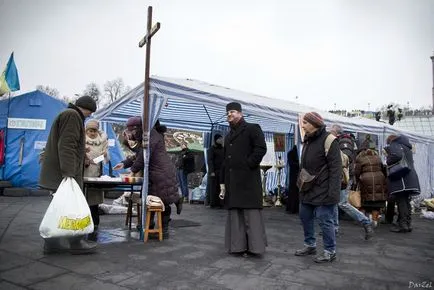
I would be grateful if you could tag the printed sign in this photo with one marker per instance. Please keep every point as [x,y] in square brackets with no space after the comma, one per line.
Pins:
[39,145]
[31,124]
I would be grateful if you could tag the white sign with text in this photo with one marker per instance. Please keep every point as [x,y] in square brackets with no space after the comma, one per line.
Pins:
[32,124]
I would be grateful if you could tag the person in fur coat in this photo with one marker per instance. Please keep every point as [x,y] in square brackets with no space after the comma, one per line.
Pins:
[96,145]
[372,181]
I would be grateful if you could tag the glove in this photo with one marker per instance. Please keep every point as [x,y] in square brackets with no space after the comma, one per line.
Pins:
[222,191]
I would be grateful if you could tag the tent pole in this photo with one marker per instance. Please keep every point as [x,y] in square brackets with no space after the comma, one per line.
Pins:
[5,140]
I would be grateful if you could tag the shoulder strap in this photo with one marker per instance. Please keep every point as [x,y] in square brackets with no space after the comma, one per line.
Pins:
[328,142]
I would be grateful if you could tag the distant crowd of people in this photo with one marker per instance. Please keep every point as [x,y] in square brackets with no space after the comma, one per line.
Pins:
[321,178]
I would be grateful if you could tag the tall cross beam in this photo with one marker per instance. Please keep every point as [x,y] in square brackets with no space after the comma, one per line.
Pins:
[146,40]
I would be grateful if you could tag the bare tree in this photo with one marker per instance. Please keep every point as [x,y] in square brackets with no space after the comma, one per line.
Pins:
[115,89]
[49,90]
[67,99]
[92,90]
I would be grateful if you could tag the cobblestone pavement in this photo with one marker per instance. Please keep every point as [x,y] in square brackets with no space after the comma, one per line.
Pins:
[194,256]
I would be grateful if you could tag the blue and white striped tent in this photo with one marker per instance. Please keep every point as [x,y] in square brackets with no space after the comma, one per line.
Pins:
[195,105]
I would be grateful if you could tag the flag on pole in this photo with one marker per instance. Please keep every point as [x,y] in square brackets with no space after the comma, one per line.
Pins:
[9,81]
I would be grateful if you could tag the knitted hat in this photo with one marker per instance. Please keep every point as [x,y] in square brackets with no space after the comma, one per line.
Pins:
[233,106]
[86,102]
[134,122]
[314,118]
[217,136]
[92,124]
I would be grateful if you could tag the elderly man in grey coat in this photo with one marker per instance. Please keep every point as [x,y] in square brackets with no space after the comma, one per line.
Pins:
[241,185]
[64,157]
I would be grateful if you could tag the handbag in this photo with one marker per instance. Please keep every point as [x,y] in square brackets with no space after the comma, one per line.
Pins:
[354,197]
[398,169]
[305,180]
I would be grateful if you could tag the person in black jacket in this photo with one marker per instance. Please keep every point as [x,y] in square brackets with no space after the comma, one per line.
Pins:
[241,186]
[404,186]
[184,166]
[293,203]
[215,160]
[158,167]
[319,202]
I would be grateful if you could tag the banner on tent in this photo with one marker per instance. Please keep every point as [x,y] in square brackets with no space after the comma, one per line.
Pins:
[21,123]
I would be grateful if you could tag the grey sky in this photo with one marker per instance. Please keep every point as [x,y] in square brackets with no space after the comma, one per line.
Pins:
[348,52]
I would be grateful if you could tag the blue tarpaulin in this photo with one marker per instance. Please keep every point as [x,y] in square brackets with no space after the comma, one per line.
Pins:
[31,116]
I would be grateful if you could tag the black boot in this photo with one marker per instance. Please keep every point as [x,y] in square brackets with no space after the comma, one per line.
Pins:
[165,223]
[401,227]
[409,226]
[79,246]
[369,232]
[94,235]
[179,205]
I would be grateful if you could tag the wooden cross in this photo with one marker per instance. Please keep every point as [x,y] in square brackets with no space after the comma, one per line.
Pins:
[146,133]
[147,40]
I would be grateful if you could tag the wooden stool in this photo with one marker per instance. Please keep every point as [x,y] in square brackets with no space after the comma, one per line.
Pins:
[159,230]
[129,217]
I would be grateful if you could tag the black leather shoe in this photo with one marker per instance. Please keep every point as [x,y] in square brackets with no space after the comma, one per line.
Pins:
[306,251]
[325,257]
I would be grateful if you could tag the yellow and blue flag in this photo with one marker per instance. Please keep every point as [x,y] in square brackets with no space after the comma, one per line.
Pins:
[9,81]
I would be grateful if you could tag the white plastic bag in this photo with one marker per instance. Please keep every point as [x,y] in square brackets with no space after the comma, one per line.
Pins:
[68,213]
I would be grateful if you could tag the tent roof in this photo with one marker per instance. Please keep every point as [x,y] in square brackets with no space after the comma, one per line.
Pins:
[197,105]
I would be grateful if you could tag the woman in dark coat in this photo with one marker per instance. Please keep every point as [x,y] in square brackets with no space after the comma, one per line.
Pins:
[293,203]
[162,175]
[369,176]
[402,187]
[215,160]
[161,171]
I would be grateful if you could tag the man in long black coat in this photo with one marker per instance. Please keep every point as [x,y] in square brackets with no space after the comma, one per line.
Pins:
[241,185]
